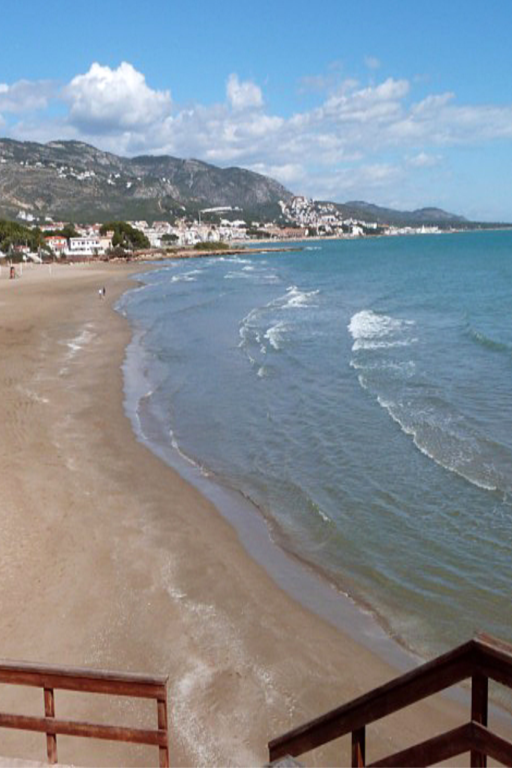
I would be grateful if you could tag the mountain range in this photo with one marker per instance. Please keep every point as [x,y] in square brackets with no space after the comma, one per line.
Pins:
[74,181]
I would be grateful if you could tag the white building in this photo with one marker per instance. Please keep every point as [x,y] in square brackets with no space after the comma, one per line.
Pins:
[85,246]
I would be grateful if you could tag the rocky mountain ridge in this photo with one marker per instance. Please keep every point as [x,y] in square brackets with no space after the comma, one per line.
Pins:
[71,180]
[74,181]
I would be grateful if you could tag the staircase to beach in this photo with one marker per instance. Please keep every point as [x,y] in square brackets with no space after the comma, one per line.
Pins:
[477,661]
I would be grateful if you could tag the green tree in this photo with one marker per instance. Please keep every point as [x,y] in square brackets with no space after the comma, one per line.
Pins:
[13,234]
[125,235]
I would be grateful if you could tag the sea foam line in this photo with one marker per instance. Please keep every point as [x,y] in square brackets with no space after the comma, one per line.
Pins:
[412,432]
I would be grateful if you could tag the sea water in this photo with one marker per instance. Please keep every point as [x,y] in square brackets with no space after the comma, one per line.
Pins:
[360,394]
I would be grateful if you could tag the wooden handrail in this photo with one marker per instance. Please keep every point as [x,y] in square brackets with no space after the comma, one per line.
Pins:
[479,659]
[51,678]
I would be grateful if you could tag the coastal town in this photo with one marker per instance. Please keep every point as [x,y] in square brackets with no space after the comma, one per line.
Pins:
[301,218]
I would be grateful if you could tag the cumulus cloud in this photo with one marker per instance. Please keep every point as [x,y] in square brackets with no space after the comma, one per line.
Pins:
[26,95]
[339,148]
[353,104]
[243,94]
[286,173]
[106,99]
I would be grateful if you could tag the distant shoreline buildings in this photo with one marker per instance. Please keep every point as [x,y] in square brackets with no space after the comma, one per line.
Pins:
[303,218]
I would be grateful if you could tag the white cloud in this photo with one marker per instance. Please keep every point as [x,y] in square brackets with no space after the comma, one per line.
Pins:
[380,102]
[26,95]
[372,62]
[337,149]
[243,94]
[107,99]
[288,173]
[423,160]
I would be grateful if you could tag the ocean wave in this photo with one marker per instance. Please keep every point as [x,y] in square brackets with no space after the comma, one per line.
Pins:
[369,345]
[238,275]
[255,321]
[448,441]
[437,428]
[488,342]
[239,260]
[297,299]
[181,453]
[406,369]
[368,326]
[275,335]
[186,277]
[247,326]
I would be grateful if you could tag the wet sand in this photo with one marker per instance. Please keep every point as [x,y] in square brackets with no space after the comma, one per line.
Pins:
[109,559]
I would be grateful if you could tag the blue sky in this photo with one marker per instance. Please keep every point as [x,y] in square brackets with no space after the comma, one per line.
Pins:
[396,102]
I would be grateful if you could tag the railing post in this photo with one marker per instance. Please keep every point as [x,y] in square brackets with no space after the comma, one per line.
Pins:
[162,726]
[51,738]
[479,706]
[358,747]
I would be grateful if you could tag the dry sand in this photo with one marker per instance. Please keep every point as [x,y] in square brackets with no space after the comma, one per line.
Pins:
[109,559]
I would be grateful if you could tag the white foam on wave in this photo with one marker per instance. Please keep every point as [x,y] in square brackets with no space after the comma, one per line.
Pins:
[436,428]
[296,298]
[369,345]
[458,464]
[406,369]
[275,335]
[186,277]
[237,275]
[232,260]
[262,324]
[181,453]
[323,515]
[373,331]
[247,326]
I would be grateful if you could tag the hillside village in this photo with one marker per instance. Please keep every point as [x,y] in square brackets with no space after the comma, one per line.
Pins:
[64,193]
[301,218]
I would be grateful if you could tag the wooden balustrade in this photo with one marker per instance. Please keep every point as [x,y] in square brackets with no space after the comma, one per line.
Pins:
[50,678]
[479,660]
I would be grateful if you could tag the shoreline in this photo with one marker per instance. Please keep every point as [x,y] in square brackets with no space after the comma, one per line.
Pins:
[141,570]
[263,541]
[304,581]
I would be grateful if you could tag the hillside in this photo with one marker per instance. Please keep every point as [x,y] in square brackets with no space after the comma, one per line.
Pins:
[74,181]
[428,216]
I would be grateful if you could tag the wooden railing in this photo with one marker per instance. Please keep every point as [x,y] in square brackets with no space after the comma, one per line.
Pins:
[479,660]
[51,678]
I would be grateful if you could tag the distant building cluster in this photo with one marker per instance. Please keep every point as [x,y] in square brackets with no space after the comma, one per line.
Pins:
[300,218]
[326,220]
[89,241]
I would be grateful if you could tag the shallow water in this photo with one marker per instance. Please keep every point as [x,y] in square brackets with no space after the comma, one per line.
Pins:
[360,394]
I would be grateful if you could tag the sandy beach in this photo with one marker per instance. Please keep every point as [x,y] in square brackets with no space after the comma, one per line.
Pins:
[109,559]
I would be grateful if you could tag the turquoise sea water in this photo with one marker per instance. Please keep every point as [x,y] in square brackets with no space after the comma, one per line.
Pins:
[360,394]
